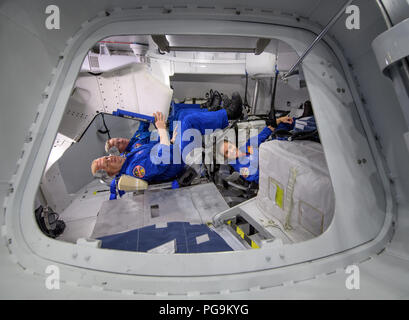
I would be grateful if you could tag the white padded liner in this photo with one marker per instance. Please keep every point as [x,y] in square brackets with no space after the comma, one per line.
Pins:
[313,200]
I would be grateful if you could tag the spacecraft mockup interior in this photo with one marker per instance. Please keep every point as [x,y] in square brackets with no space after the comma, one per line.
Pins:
[325,200]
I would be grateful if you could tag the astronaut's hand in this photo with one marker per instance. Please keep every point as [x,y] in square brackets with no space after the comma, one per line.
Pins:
[285,119]
[161,126]
[159,120]
[175,132]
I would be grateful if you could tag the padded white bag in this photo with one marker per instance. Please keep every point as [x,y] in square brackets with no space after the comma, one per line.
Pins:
[295,188]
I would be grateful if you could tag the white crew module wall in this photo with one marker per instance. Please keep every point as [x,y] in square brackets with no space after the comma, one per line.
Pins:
[133,88]
[295,188]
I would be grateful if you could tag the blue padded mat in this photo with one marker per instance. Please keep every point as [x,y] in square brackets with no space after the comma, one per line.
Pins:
[147,238]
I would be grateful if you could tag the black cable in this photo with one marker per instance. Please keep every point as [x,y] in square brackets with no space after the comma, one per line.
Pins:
[245,91]
[106,128]
[272,114]
[95,74]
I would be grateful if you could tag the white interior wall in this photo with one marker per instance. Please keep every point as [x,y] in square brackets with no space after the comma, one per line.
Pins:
[132,88]
[24,21]
[71,172]
[194,81]
[189,86]
[17,110]
[383,109]
[343,144]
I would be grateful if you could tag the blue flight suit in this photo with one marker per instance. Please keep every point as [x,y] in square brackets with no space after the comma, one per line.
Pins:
[146,161]
[144,158]
[200,120]
[138,164]
[144,164]
[247,165]
[304,124]
[140,137]
[178,108]
[299,124]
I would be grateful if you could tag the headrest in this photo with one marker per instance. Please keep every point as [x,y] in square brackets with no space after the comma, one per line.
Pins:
[261,65]
[129,183]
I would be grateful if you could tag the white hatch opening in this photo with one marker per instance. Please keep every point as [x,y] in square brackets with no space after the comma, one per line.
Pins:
[219,209]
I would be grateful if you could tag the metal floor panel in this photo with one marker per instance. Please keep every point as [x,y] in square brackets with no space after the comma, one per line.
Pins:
[196,204]
[87,202]
[118,216]
[80,228]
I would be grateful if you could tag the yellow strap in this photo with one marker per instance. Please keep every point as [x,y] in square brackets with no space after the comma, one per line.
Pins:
[289,198]
[254,245]
[240,232]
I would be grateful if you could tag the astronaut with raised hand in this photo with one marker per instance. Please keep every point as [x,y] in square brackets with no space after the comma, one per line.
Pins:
[245,159]
[143,161]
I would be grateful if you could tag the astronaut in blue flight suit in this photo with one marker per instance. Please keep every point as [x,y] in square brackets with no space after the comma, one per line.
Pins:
[245,159]
[155,162]
[140,158]
[117,146]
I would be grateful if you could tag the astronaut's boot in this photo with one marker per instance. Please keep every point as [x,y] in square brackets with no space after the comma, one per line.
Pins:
[235,109]
[209,98]
[216,102]
[226,102]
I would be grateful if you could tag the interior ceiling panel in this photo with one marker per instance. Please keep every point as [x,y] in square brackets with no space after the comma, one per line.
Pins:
[122,42]
[141,39]
[316,10]
[211,41]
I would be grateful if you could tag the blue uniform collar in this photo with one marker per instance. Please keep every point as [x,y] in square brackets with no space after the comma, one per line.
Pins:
[137,136]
